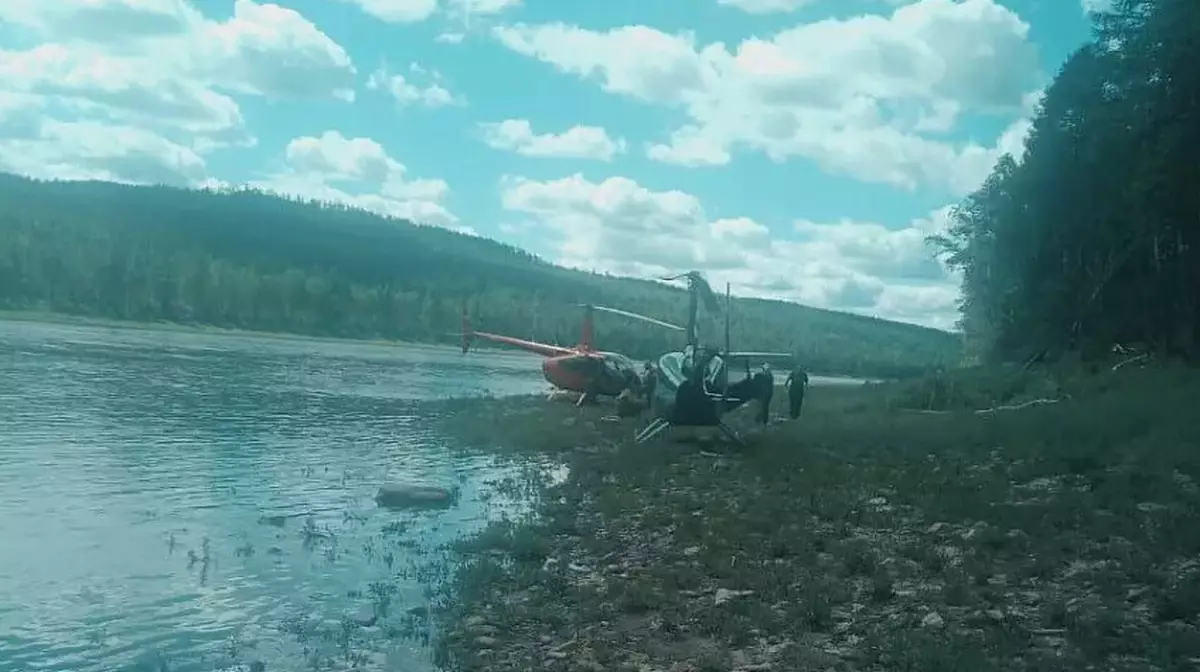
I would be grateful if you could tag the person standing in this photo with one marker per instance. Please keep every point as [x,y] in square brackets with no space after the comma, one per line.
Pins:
[649,382]
[628,405]
[796,384]
[767,391]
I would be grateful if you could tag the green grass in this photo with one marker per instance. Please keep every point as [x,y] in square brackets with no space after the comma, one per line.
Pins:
[865,536]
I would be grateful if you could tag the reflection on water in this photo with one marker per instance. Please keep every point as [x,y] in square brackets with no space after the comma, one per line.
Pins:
[201,499]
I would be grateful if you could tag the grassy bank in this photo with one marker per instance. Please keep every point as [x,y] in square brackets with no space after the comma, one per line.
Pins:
[892,528]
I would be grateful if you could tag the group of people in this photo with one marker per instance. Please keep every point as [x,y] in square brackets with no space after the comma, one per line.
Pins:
[796,385]
[635,398]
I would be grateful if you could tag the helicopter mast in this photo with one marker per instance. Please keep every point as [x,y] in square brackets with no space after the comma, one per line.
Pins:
[693,309]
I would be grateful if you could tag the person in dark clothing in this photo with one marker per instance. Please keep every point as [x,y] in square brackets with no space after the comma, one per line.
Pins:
[796,384]
[649,381]
[766,381]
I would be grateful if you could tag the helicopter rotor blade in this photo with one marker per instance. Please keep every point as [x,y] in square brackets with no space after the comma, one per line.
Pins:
[637,316]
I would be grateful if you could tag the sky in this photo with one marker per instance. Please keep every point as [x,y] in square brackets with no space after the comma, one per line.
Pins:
[797,149]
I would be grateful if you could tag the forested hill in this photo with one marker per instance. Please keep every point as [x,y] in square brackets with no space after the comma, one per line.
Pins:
[1092,239]
[249,260]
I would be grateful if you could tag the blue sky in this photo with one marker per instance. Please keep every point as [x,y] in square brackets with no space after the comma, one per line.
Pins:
[799,149]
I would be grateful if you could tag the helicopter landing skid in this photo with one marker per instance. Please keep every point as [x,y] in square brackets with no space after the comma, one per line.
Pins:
[661,425]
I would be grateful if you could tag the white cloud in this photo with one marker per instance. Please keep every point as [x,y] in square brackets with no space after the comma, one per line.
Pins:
[21,115]
[398,11]
[34,142]
[691,147]
[579,142]
[416,11]
[485,7]
[858,95]
[93,151]
[263,49]
[405,92]
[123,89]
[101,20]
[141,90]
[273,51]
[636,61]
[358,172]
[766,6]
[621,227]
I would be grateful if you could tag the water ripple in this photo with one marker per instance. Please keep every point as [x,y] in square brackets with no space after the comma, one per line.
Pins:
[155,489]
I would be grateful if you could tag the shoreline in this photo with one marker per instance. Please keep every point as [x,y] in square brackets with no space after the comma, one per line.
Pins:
[66,319]
[862,537]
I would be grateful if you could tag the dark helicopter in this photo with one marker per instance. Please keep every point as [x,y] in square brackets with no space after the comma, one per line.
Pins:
[691,387]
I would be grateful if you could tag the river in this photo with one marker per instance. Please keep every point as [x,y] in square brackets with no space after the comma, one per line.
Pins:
[191,501]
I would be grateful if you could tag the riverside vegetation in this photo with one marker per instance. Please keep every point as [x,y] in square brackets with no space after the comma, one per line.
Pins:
[873,534]
[908,526]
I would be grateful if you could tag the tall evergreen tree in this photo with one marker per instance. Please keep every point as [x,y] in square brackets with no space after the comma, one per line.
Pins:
[1093,238]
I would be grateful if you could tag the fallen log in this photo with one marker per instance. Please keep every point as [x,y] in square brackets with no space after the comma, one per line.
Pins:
[994,409]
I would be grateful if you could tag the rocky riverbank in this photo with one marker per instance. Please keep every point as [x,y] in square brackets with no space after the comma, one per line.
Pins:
[866,536]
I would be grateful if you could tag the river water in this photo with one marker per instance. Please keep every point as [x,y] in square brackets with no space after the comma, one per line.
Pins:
[187,501]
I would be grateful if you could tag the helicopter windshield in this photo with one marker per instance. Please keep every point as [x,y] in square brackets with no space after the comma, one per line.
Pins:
[714,366]
[620,367]
[688,361]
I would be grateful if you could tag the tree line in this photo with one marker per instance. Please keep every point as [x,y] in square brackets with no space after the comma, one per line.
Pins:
[1092,239]
[249,260]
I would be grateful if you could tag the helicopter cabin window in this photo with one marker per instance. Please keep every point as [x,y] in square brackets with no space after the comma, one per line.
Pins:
[714,373]
[614,369]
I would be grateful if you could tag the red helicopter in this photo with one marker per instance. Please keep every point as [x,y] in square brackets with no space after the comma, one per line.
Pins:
[580,368]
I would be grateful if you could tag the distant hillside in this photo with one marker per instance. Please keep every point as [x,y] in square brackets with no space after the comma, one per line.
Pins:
[250,260]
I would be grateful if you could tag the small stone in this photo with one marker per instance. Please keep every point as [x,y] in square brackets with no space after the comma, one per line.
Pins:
[413,495]
[364,616]
[556,655]
[724,595]
[485,642]
[932,620]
